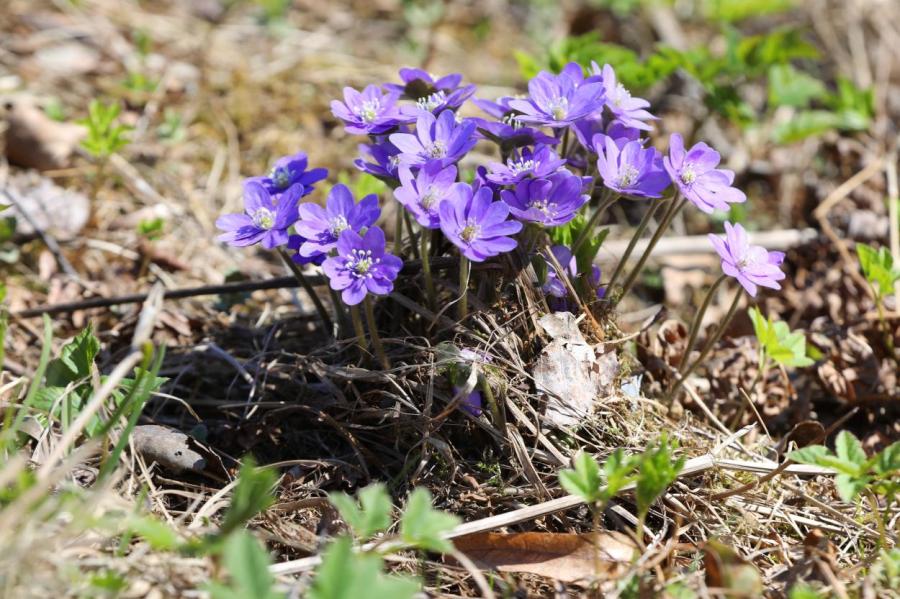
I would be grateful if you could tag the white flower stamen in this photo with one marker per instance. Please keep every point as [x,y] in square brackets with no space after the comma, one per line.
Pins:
[264,218]
[368,112]
[471,231]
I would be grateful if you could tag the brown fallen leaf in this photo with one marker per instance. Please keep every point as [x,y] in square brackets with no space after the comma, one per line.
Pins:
[52,209]
[172,450]
[728,571]
[560,556]
[34,140]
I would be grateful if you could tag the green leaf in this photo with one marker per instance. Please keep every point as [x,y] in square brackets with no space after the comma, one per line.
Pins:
[657,469]
[805,124]
[812,454]
[618,470]
[157,533]
[248,565]
[738,10]
[888,461]
[790,87]
[778,342]
[878,266]
[584,481]
[252,494]
[374,515]
[423,526]
[849,448]
[75,360]
[345,574]
[848,487]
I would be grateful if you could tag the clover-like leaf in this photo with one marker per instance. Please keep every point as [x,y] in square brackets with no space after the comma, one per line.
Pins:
[346,574]
[878,266]
[424,527]
[584,480]
[371,515]
[657,470]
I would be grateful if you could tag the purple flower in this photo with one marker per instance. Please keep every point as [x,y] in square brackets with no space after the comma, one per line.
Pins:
[441,140]
[288,171]
[476,224]
[368,113]
[362,266]
[629,168]
[550,202]
[585,130]
[697,177]
[558,100]
[556,290]
[385,157]
[542,162]
[751,265]
[419,84]
[630,111]
[322,227]
[265,220]
[294,243]
[440,100]
[422,193]
[471,403]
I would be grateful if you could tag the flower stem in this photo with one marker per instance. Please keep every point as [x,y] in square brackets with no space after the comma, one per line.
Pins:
[594,220]
[710,343]
[698,321]
[674,208]
[398,231]
[373,333]
[645,222]
[463,287]
[304,282]
[360,331]
[497,412]
[426,269]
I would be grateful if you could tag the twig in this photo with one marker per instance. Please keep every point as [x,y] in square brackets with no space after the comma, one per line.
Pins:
[894,212]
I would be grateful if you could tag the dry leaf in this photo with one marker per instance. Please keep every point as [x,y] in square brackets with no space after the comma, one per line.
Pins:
[560,556]
[171,449]
[34,140]
[570,373]
[727,570]
[59,211]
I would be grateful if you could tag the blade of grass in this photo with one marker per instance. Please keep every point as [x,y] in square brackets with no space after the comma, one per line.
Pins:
[10,430]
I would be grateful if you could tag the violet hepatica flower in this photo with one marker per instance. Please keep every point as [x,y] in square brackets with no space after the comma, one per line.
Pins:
[556,290]
[698,179]
[471,403]
[385,158]
[507,131]
[322,227]
[294,243]
[629,168]
[476,224]
[441,140]
[632,112]
[265,221]
[369,112]
[418,83]
[288,171]
[550,202]
[423,192]
[751,265]
[541,162]
[362,266]
[558,100]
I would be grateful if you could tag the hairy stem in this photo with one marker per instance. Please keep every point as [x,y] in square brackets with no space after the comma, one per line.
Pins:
[360,331]
[645,222]
[496,411]
[698,322]
[298,273]
[430,293]
[463,287]
[373,333]
[710,343]
[398,231]
[674,208]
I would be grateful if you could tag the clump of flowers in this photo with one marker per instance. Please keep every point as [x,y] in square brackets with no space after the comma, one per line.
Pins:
[564,152]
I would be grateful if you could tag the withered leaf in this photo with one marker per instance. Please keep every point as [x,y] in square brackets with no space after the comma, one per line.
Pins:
[561,556]
[171,449]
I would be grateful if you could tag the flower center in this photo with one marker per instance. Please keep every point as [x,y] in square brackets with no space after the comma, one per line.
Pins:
[438,149]
[431,102]
[368,112]
[280,176]
[429,198]
[544,206]
[470,231]
[521,166]
[627,175]
[264,218]
[361,262]
[394,162]
[511,120]
[338,225]
[559,108]
[688,175]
